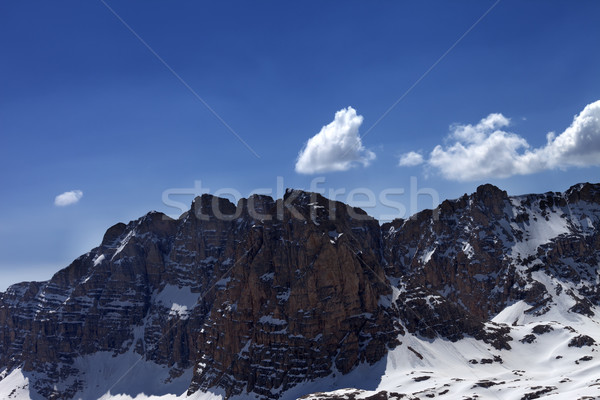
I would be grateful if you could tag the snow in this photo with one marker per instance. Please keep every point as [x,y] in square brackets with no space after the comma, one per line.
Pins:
[267,277]
[178,300]
[179,310]
[427,255]
[539,230]
[98,260]
[245,349]
[123,243]
[468,249]
[285,296]
[455,369]
[388,301]
[513,313]
[452,376]
[16,386]
[223,281]
[124,377]
[267,319]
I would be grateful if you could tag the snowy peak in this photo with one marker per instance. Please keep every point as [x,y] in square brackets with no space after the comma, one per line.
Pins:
[484,252]
[273,298]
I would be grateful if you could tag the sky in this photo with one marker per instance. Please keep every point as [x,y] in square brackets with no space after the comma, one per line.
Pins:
[111,109]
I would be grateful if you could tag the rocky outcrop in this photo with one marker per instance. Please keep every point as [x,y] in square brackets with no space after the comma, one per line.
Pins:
[259,296]
[299,302]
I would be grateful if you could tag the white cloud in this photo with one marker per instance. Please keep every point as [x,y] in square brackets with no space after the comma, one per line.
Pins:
[337,147]
[410,159]
[485,150]
[68,198]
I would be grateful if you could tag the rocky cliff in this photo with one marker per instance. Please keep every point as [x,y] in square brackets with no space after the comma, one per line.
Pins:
[258,298]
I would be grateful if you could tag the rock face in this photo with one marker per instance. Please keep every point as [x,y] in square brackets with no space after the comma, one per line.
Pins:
[258,297]
[483,251]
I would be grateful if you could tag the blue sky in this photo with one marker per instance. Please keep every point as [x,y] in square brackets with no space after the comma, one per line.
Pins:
[85,106]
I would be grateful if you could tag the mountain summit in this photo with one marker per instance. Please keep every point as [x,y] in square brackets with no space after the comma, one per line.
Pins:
[487,295]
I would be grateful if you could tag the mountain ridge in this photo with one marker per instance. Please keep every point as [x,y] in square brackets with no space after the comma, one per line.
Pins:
[273,294]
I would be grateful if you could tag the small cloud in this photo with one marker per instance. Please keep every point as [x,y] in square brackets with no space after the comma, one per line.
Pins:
[487,150]
[68,198]
[337,147]
[410,159]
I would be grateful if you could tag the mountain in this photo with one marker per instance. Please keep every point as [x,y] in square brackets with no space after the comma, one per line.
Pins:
[487,296]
